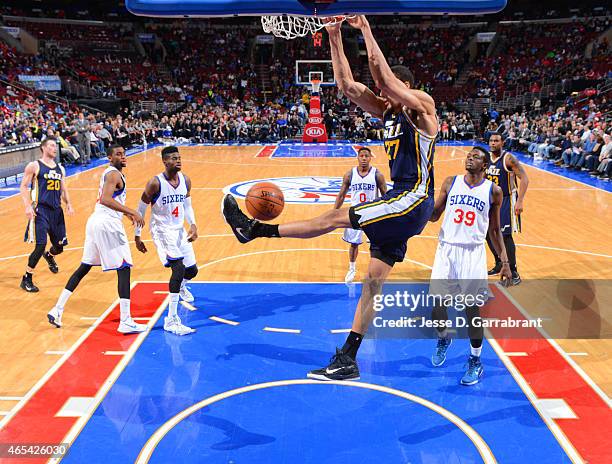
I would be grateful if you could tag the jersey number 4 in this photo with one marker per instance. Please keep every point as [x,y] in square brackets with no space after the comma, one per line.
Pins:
[175,212]
[467,218]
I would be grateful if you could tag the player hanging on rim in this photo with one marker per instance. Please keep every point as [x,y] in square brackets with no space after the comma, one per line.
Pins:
[411,128]
[362,182]
[472,205]
[503,171]
[43,188]
[169,195]
[106,243]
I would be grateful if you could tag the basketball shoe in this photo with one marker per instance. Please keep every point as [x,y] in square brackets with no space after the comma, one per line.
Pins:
[55,316]
[129,326]
[185,294]
[174,325]
[341,367]
[438,358]
[474,371]
[241,225]
[51,262]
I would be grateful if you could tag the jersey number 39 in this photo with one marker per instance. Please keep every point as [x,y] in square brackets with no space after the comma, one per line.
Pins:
[467,218]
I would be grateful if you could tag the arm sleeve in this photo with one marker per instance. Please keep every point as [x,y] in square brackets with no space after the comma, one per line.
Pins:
[142,210]
[189,214]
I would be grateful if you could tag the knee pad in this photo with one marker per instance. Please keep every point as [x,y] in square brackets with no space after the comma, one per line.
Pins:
[178,273]
[56,250]
[191,272]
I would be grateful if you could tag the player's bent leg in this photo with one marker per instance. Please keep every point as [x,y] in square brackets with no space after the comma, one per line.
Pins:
[126,324]
[246,229]
[511,250]
[55,315]
[50,257]
[496,269]
[474,366]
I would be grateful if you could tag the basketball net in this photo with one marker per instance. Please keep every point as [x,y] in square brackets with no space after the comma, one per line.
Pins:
[315,85]
[290,27]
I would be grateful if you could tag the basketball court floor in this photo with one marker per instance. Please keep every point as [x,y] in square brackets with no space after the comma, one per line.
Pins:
[269,311]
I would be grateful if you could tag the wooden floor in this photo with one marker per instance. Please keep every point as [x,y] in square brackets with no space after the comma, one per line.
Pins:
[567,235]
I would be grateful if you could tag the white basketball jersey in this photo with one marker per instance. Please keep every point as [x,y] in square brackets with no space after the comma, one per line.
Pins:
[363,188]
[466,220]
[119,195]
[168,209]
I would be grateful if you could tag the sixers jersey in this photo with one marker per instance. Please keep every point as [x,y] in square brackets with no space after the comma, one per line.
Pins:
[119,195]
[363,188]
[47,186]
[466,220]
[168,207]
[411,154]
[500,176]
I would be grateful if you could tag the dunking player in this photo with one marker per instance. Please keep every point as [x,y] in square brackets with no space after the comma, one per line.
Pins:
[362,182]
[460,266]
[503,171]
[106,243]
[411,127]
[42,190]
[169,195]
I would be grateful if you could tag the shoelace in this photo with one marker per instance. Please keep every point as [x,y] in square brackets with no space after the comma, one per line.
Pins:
[473,364]
[441,346]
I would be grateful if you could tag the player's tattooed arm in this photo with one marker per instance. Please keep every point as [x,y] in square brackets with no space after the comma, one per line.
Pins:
[519,171]
[495,234]
[381,183]
[440,204]
[357,92]
[346,184]
[30,172]
[190,214]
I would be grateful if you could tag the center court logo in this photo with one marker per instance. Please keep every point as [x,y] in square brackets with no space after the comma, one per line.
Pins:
[298,190]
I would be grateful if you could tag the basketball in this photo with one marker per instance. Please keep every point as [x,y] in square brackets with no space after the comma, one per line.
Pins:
[265,201]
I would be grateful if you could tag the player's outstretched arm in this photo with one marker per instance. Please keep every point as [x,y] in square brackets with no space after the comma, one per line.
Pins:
[440,204]
[384,78]
[150,191]
[357,92]
[346,184]
[190,214]
[519,171]
[30,172]
[495,234]
[112,182]
[381,183]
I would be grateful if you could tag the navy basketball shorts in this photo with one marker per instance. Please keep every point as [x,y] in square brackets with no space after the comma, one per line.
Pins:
[509,221]
[48,221]
[391,220]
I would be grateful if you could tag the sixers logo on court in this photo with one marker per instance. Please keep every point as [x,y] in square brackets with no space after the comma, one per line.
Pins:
[315,131]
[299,190]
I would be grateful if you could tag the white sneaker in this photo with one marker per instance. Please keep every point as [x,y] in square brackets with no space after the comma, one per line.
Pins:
[350,276]
[175,326]
[185,294]
[55,316]
[129,326]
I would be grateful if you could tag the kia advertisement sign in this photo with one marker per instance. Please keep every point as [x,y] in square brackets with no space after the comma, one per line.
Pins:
[315,131]
[315,120]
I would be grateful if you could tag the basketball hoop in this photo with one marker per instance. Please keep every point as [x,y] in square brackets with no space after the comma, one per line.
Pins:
[291,27]
[315,85]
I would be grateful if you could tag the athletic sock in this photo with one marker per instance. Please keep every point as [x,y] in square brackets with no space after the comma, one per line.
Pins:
[124,308]
[265,230]
[351,346]
[63,298]
[476,351]
[352,266]
[173,305]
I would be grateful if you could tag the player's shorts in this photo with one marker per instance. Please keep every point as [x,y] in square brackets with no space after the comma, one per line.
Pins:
[390,221]
[48,221]
[172,245]
[459,270]
[353,236]
[106,243]
[510,222]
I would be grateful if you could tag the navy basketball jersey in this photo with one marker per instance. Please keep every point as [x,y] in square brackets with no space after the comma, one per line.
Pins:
[500,176]
[47,186]
[411,154]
